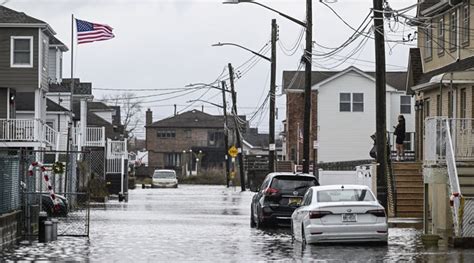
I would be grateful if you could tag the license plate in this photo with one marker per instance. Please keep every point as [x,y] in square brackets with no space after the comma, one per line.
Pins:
[294,201]
[349,218]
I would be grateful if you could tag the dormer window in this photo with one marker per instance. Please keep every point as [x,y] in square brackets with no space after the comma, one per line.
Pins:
[21,52]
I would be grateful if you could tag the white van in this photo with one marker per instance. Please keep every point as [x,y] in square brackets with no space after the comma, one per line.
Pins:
[164,178]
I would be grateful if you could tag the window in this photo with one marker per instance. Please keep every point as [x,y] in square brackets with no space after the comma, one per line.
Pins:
[188,133]
[21,52]
[441,40]
[407,142]
[450,104]
[344,102]
[465,24]
[166,134]
[428,41]
[463,108]
[438,105]
[405,104]
[426,108]
[307,198]
[351,102]
[357,102]
[173,159]
[215,138]
[453,31]
[345,195]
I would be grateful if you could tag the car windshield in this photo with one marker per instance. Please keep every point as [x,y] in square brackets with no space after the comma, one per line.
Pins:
[291,183]
[164,175]
[345,195]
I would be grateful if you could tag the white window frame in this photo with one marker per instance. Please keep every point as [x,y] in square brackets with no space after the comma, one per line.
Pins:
[44,50]
[357,102]
[453,30]
[345,102]
[429,41]
[465,31]
[12,49]
[402,104]
[441,36]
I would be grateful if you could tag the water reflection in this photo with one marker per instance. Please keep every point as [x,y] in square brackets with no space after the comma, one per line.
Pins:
[209,223]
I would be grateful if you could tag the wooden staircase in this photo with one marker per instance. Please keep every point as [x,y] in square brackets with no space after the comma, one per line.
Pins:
[466,180]
[409,189]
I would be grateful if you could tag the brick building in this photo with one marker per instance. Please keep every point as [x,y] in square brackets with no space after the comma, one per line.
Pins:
[178,141]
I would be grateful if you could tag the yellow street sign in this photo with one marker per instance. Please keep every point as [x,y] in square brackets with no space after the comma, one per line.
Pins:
[233,151]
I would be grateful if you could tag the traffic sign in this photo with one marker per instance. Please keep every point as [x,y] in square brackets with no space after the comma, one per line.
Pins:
[233,151]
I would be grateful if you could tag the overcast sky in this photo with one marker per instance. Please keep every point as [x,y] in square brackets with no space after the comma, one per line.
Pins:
[167,44]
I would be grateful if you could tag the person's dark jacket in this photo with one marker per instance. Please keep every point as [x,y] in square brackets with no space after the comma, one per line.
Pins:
[400,132]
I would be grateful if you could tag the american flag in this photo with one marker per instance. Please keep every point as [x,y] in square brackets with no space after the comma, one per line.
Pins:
[89,32]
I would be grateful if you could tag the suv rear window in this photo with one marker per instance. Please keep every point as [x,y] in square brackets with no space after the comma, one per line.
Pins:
[164,175]
[291,183]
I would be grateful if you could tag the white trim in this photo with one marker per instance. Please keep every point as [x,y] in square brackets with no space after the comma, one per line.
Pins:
[12,48]
[44,64]
[40,57]
[347,70]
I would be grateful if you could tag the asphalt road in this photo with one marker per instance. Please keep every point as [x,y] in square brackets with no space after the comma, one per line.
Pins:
[209,223]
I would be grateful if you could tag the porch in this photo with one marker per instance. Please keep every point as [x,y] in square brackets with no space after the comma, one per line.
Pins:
[27,133]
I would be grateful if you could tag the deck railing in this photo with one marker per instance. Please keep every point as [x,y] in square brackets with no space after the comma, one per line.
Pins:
[27,130]
[95,136]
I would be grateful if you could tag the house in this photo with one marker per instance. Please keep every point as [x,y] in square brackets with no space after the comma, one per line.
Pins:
[178,142]
[441,76]
[256,144]
[24,68]
[343,113]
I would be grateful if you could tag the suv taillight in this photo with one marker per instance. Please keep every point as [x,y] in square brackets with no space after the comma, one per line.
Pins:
[271,191]
[318,214]
[377,212]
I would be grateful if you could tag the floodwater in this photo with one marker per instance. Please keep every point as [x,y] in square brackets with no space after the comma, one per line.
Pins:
[209,223]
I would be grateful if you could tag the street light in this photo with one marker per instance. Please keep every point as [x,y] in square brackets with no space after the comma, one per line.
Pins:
[307,57]
[242,47]
[272,60]
[205,101]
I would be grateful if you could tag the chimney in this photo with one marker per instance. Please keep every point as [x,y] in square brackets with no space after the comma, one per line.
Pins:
[149,117]
[175,110]
[202,108]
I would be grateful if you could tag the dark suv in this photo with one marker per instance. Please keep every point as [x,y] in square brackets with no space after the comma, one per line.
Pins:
[278,196]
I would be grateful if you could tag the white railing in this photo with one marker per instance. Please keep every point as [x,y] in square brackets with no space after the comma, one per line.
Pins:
[17,130]
[95,136]
[462,137]
[117,149]
[27,130]
[453,179]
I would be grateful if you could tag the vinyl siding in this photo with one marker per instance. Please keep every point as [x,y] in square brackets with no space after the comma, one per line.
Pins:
[22,79]
[45,66]
[52,65]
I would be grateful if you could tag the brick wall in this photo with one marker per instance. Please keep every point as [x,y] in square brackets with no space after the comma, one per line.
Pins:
[9,233]
[294,118]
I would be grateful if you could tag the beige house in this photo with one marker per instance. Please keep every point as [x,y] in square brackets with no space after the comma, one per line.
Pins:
[440,73]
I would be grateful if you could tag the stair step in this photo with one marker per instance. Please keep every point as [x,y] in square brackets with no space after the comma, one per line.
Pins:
[410,208]
[409,196]
[465,180]
[409,184]
[410,214]
[405,202]
[467,189]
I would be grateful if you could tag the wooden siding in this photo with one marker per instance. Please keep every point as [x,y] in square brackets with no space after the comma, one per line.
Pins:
[44,70]
[18,78]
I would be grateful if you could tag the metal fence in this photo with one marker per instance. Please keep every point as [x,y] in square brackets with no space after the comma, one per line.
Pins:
[9,181]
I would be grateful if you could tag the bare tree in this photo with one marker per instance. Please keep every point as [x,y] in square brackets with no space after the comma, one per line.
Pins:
[130,110]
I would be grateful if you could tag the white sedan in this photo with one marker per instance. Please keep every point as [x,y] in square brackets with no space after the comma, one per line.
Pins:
[339,213]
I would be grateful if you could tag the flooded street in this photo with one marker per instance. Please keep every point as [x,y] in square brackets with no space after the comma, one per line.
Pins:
[207,223]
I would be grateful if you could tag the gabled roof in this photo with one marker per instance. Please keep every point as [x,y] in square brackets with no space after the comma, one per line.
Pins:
[54,42]
[10,16]
[97,105]
[294,80]
[80,88]
[25,101]
[193,119]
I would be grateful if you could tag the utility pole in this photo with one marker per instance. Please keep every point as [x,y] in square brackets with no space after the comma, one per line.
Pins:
[226,134]
[380,103]
[271,139]
[237,130]
[307,89]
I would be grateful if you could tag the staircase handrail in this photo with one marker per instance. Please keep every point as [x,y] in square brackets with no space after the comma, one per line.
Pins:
[455,188]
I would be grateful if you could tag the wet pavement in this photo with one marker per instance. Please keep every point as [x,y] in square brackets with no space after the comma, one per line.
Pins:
[209,223]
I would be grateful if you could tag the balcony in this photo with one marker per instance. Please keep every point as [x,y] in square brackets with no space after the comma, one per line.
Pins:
[462,136]
[94,137]
[24,132]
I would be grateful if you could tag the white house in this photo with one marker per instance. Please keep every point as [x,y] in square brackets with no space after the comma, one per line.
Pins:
[345,112]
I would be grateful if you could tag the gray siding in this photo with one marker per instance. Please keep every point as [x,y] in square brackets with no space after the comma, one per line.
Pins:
[19,78]
[52,65]
[3,103]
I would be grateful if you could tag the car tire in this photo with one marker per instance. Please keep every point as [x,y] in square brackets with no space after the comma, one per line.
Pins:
[260,223]
[303,236]
[176,186]
[252,219]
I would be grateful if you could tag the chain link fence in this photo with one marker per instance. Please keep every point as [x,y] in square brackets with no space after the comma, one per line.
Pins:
[9,181]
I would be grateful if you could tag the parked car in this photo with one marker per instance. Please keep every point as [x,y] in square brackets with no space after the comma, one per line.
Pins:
[339,213]
[164,178]
[278,196]
[48,206]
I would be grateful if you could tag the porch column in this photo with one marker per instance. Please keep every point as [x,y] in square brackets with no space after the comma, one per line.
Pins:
[38,115]
[83,124]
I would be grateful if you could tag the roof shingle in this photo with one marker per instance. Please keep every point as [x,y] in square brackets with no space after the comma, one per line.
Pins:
[10,16]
